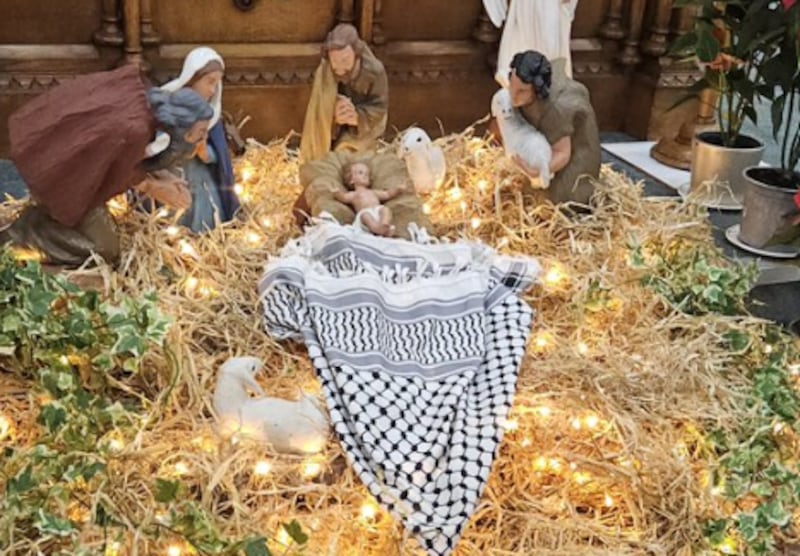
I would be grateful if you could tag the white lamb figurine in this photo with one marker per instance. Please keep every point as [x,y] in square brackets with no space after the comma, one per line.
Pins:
[295,427]
[521,138]
[424,160]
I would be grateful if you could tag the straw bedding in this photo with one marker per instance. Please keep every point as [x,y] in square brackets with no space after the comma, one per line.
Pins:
[600,454]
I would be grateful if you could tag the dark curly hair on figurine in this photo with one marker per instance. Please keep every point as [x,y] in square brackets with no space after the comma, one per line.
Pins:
[534,69]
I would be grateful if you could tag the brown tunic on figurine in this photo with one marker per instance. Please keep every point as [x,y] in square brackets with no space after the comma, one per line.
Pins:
[349,98]
[83,142]
[561,109]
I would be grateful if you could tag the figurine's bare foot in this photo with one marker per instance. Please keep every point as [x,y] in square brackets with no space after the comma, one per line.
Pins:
[380,229]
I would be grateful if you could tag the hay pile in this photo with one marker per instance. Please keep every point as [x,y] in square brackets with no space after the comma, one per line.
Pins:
[603,453]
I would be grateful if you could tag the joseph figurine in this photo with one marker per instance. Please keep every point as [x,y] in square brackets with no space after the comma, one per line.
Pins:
[561,109]
[349,98]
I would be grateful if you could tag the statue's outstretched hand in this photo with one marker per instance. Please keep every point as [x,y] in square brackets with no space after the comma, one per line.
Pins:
[169,190]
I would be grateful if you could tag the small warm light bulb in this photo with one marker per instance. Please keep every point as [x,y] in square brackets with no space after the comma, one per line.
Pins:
[544,411]
[266,222]
[555,465]
[172,231]
[191,284]
[768,349]
[540,463]
[554,276]
[64,360]
[247,172]
[483,185]
[583,349]
[541,341]
[115,445]
[581,477]
[5,427]
[455,194]
[238,189]
[592,421]
[174,550]
[777,428]
[526,442]
[181,468]
[503,242]
[608,501]
[727,546]
[187,249]
[475,223]
[311,469]
[253,238]
[112,549]
[426,208]
[283,537]
[205,291]
[463,205]
[511,424]
[576,424]
[162,213]
[368,511]
[262,468]
[794,369]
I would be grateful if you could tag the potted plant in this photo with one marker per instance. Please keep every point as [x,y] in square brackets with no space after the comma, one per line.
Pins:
[728,41]
[771,213]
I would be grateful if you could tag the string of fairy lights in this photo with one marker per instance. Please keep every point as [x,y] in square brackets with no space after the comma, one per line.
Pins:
[520,427]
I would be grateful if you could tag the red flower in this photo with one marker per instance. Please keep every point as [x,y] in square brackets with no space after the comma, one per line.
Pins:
[797,199]
[788,4]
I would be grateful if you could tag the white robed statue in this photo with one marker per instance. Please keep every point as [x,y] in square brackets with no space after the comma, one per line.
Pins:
[541,25]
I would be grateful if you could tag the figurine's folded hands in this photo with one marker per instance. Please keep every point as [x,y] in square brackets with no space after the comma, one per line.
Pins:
[167,189]
[345,112]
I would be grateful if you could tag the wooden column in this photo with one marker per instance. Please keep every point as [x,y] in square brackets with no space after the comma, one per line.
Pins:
[485,31]
[109,33]
[366,19]
[630,55]
[133,32]
[346,11]
[149,35]
[656,45]
[377,24]
[612,26]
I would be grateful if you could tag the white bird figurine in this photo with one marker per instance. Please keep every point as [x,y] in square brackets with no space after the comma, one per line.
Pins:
[299,427]
[424,160]
[522,139]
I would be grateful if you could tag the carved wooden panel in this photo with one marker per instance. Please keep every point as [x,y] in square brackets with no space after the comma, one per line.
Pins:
[220,21]
[414,20]
[40,22]
[588,18]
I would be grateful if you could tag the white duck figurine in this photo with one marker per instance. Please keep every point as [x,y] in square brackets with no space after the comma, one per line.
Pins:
[299,427]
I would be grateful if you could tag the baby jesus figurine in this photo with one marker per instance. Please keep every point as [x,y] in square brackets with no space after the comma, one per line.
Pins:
[370,213]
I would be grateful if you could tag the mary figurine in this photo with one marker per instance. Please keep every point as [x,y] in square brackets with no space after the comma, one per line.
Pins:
[209,172]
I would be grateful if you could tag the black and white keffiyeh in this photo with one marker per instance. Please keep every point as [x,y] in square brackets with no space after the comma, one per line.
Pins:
[417,347]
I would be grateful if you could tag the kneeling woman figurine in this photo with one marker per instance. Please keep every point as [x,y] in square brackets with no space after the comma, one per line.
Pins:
[209,172]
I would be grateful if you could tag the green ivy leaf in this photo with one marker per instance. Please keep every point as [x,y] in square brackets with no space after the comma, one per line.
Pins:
[747,525]
[256,547]
[53,525]
[774,513]
[762,489]
[53,416]
[296,532]
[166,491]
[23,482]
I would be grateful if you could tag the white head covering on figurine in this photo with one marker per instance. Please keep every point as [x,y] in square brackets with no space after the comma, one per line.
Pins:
[196,60]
